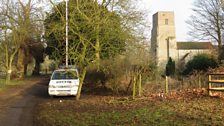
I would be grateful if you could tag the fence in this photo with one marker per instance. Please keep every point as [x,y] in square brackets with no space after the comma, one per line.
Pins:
[177,83]
[215,82]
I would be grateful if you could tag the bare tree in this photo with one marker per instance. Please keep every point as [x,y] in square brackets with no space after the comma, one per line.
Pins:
[21,25]
[9,39]
[29,24]
[206,22]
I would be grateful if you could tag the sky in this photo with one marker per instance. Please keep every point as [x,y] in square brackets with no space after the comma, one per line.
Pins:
[182,11]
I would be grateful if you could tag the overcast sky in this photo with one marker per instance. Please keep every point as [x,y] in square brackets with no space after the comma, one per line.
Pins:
[181,8]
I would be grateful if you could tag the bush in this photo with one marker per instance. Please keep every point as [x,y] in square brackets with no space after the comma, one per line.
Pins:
[170,67]
[117,71]
[112,77]
[200,62]
[116,74]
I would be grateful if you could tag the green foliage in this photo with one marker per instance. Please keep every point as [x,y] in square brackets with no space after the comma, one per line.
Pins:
[95,32]
[170,67]
[200,62]
[89,23]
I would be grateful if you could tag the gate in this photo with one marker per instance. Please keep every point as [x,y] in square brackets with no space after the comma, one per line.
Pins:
[215,82]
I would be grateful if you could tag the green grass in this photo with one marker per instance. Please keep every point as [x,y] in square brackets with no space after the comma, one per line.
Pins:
[19,83]
[198,111]
[12,83]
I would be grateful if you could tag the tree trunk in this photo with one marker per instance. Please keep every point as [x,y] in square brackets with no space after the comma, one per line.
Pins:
[220,56]
[36,71]
[219,35]
[81,80]
[9,70]
[8,75]
[20,63]
[7,64]
[97,49]
[98,58]
[25,69]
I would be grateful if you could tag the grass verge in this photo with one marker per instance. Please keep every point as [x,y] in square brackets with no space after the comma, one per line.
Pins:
[12,83]
[109,111]
[17,83]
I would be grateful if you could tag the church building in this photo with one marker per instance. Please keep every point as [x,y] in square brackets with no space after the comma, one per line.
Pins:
[164,44]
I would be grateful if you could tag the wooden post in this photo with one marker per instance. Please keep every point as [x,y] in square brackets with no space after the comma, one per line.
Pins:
[209,84]
[140,85]
[134,87]
[199,81]
[167,83]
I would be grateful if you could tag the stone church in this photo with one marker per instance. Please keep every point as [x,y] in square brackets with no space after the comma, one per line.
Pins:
[164,44]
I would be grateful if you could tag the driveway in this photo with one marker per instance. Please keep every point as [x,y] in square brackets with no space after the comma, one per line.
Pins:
[17,104]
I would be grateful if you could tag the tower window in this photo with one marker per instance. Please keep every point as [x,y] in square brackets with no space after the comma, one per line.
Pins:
[166,21]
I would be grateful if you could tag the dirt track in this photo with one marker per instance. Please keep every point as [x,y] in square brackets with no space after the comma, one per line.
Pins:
[17,104]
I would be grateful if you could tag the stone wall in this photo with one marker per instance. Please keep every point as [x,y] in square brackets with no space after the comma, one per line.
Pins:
[192,53]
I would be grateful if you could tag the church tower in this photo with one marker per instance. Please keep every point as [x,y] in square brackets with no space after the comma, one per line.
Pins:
[163,38]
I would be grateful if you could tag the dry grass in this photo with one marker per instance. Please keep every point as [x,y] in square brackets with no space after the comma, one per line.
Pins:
[189,107]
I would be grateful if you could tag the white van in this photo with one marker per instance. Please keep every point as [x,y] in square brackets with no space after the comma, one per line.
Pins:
[64,82]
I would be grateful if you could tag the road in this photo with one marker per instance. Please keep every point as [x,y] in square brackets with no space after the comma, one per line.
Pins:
[17,104]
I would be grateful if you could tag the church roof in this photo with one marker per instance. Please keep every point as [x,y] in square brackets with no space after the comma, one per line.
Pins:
[194,45]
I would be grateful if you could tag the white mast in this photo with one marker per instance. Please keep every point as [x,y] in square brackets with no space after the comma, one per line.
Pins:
[66,34]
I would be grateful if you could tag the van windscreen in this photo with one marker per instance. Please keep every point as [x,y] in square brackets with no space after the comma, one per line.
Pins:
[61,75]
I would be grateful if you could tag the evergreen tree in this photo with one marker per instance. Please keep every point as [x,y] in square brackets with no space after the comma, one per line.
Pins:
[170,67]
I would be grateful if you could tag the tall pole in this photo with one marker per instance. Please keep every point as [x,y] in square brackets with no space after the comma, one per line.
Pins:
[168,48]
[66,34]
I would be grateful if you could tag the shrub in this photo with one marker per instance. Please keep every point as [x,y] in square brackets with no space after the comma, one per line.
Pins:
[116,74]
[170,67]
[200,62]
[117,71]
